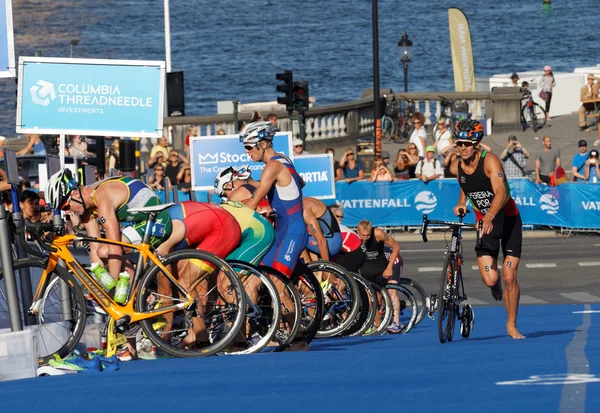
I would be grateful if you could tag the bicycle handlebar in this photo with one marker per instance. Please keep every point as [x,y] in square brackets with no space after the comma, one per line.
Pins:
[36,229]
[427,221]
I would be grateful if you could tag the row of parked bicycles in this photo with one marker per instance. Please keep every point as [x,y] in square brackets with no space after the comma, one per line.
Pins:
[191,303]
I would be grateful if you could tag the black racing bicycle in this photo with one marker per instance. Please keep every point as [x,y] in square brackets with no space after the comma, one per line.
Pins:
[452,290]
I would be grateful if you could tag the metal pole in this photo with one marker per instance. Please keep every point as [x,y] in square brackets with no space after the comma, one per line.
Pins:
[302,124]
[376,108]
[10,283]
[71,50]
[405,63]
[167,37]
[61,150]
[24,274]
[235,116]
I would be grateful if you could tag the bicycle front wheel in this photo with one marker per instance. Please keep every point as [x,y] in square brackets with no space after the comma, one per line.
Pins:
[387,129]
[61,311]
[312,299]
[215,318]
[446,307]
[420,296]
[367,308]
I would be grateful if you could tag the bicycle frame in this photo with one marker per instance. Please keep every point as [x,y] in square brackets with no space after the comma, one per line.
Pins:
[59,251]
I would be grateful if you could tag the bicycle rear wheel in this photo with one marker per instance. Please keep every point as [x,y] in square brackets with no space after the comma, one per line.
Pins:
[446,308]
[341,297]
[366,309]
[420,296]
[385,311]
[291,309]
[61,311]
[405,314]
[215,318]
[263,310]
[388,129]
[312,299]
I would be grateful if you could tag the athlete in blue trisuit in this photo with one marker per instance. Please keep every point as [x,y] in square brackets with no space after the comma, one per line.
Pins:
[283,186]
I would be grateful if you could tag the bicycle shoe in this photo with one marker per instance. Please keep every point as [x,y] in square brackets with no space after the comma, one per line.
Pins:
[467,320]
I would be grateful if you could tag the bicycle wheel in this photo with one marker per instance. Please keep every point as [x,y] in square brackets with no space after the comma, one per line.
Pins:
[61,311]
[446,308]
[263,310]
[405,130]
[384,310]
[420,296]
[540,115]
[291,310]
[387,129]
[312,299]
[206,327]
[405,307]
[366,309]
[341,296]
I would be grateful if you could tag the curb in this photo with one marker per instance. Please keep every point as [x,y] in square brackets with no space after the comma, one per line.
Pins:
[470,235]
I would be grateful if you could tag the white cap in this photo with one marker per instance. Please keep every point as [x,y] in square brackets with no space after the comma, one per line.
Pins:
[297,142]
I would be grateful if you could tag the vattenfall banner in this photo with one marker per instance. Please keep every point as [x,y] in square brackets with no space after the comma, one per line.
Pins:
[462,51]
[90,97]
[7,40]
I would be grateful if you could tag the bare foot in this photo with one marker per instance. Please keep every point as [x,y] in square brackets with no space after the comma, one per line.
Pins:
[514,333]
[497,290]
[298,346]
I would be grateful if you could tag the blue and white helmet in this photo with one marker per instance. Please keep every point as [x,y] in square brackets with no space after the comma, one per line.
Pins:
[257,131]
[243,172]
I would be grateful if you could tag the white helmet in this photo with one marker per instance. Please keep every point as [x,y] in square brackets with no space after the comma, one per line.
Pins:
[243,172]
[257,131]
[226,176]
[59,187]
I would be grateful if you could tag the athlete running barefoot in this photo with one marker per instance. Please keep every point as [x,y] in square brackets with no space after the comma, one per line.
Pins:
[280,181]
[482,180]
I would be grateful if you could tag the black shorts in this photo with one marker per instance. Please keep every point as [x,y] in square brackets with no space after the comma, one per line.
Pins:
[508,233]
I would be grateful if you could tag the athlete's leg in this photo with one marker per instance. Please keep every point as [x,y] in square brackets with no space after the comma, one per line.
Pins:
[512,294]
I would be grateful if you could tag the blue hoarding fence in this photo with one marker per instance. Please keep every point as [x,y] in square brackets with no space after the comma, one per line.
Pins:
[317,173]
[403,203]
[95,97]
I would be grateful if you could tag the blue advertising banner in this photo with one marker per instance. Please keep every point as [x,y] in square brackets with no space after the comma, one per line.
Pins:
[7,40]
[317,172]
[572,205]
[212,154]
[91,97]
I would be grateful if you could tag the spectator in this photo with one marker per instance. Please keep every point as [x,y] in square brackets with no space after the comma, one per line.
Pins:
[221,131]
[547,83]
[173,165]
[255,117]
[35,143]
[419,136]
[579,160]
[184,178]
[2,139]
[451,155]
[588,92]
[156,182]
[78,148]
[380,172]
[591,172]
[337,171]
[161,146]
[514,157]
[514,80]
[29,202]
[352,168]
[429,168]
[271,117]
[337,212]
[299,148]
[4,185]
[442,139]
[546,161]
[192,132]
[406,162]
[112,155]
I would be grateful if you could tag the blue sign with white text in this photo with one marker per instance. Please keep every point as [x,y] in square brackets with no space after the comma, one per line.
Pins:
[90,97]
[572,205]
[317,173]
[211,154]
[7,45]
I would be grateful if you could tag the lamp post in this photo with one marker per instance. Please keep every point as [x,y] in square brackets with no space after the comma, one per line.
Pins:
[404,48]
[376,103]
[74,42]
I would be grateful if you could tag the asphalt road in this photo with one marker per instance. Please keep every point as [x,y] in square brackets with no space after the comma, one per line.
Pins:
[556,270]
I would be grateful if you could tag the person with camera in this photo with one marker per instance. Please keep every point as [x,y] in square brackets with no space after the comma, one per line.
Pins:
[381,172]
[591,173]
[514,157]
[353,169]
[406,162]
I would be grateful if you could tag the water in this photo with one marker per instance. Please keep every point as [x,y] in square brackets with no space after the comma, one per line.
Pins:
[233,49]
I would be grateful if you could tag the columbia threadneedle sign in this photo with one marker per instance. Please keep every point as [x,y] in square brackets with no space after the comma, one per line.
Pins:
[90,97]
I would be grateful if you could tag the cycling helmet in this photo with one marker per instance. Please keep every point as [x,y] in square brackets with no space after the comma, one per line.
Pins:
[59,187]
[226,176]
[514,76]
[469,130]
[243,172]
[257,131]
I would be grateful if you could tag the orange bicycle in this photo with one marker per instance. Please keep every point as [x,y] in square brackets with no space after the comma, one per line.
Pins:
[188,303]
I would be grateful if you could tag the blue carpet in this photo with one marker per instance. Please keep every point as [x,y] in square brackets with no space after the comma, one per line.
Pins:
[388,373]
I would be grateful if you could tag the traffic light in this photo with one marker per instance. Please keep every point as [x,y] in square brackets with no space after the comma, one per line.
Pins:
[287,87]
[301,95]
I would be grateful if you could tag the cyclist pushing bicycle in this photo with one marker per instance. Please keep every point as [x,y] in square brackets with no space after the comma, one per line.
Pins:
[482,181]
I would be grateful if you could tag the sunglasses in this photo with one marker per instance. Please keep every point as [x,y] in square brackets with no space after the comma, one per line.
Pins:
[249,147]
[412,147]
[159,170]
[417,121]
[298,146]
[467,144]
[339,216]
